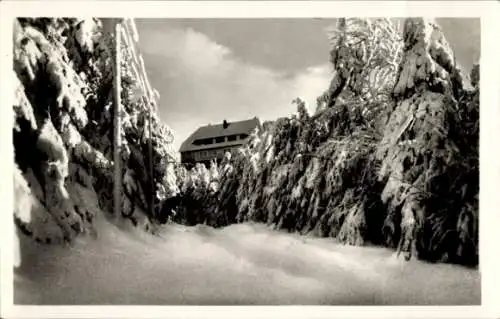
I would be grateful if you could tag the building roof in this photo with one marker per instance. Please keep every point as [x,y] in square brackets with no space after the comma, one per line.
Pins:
[218,130]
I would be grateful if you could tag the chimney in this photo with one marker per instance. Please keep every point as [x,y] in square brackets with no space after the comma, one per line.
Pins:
[225,124]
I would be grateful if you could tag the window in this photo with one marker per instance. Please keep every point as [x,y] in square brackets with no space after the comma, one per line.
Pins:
[243,136]
[232,138]
[206,154]
[203,141]
[220,139]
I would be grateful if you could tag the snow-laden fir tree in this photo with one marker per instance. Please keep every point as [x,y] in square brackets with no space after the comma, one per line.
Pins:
[390,156]
[62,127]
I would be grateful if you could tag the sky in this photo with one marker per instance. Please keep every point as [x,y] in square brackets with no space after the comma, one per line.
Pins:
[208,70]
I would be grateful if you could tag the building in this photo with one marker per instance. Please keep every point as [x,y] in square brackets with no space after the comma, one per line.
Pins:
[213,141]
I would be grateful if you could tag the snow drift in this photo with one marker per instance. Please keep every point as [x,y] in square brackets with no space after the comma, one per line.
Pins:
[243,264]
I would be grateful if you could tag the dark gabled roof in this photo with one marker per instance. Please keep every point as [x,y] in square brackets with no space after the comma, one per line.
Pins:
[213,131]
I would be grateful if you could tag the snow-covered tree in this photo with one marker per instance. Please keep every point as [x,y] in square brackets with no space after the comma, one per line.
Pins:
[391,158]
[63,121]
[365,54]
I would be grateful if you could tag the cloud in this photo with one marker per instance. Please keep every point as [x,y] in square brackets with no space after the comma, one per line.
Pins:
[202,82]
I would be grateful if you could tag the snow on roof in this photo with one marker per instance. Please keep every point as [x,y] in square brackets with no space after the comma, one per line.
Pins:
[213,131]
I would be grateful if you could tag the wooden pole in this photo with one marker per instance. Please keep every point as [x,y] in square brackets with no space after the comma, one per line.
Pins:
[130,36]
[117,196]
[150,148]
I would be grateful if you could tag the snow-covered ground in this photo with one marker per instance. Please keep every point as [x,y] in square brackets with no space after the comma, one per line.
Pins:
[242,264]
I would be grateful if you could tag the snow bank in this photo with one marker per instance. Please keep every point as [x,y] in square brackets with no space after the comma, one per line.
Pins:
[244,264]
